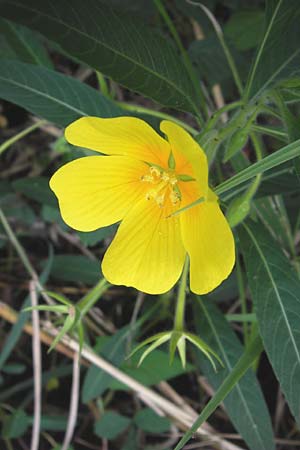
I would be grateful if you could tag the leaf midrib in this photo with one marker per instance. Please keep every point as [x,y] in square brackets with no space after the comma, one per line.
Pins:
[257,60]
[42,94]
[277,294]
[237,386]
[122,55]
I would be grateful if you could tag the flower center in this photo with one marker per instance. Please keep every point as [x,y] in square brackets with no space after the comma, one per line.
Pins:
[163,185]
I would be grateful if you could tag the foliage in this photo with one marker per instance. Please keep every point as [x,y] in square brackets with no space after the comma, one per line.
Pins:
[227,72]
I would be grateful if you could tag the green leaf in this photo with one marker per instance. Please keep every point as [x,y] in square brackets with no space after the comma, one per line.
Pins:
[278,56]
[275,293]
[36,188]
[15,425]
[286,153]
[246,360]
[96,381]
[53,423]
[111,425]
[150,422]
[76,268]
[244,29]
[51,95]
[25,44]
[147,373]
[14,369]
[124,49]
[245,404]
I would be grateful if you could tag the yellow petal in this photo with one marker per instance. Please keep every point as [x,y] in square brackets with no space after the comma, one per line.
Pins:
[189,156]
[119,136]
[209,242]
[147,252]
[96,191]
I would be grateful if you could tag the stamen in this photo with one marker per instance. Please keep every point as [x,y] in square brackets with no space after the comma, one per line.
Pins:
[164,183]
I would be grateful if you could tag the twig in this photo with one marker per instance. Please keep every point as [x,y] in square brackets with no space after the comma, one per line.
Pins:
[73,403]
[148,396]
[37,369]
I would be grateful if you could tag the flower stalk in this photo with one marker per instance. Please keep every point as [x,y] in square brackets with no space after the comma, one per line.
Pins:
[180,306]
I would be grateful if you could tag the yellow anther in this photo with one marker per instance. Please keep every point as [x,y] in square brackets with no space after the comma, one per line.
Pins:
[164,186]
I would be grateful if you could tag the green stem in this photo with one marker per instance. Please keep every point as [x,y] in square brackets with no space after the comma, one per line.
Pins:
[242,293]
[103,85]
[270,131]
[180,306]
[88,301]
[187,62]
[226,50]
[20,135]
[246,360]
[20,250]
[161,115]
[216,115]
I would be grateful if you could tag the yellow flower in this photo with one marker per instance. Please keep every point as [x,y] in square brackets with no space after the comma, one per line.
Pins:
[142,182]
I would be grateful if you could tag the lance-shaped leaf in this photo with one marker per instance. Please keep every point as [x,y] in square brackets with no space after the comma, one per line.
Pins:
[245,404]
[126,50]
[275,291]
[24,44]
[51,95]
[278,56]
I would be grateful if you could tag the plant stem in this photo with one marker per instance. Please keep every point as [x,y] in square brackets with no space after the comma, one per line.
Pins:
[187,62]
[88,301]
[161,115]
[242,293]
[103,85]
[180,306]
[20,135]
[226,50]
[216,115]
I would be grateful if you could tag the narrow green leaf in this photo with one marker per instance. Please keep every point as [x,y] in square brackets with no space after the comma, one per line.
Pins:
[68,324]
[275,291]
[113,43]
[25,44]
[241,367]
[51,95]
[275,159]
[278,55]
[245,404]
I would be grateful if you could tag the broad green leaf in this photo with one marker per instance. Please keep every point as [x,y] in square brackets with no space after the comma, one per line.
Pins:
[51,95]
[24,43]
[275,292]
[278,56]
[120,47]
[245,404]
[246,360]
[111,425]
[147,420]
[76,268]
[283,155]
